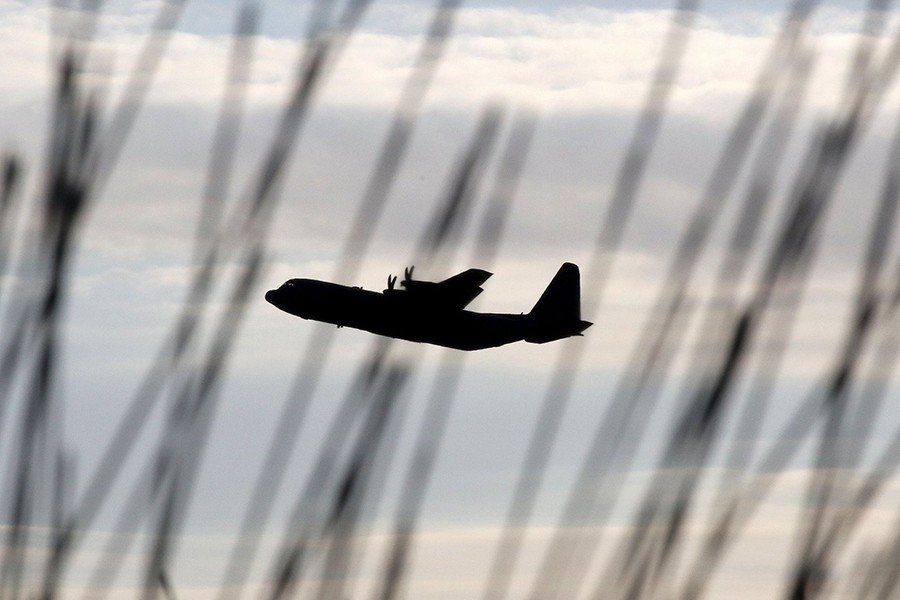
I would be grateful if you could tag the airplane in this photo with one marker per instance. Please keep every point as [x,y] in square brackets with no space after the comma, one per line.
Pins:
[434,312]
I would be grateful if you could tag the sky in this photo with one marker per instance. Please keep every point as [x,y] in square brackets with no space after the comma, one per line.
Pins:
[583,70]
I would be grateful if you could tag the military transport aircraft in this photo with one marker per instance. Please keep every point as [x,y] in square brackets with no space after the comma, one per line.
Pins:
[433,312]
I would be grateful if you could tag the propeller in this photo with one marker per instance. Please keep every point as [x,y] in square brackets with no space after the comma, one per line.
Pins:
[392,279]
[407,274]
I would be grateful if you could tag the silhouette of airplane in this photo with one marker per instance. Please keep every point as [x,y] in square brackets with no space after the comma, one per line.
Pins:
[433,312]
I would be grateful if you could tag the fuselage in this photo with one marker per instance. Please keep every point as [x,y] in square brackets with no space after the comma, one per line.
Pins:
[398,314]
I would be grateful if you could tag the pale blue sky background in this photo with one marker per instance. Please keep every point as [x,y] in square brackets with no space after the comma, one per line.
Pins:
[582,67]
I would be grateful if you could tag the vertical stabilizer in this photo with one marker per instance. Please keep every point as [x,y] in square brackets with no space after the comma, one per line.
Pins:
[557,313]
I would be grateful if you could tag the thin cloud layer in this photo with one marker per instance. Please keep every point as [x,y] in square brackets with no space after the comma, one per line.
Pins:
[584,71]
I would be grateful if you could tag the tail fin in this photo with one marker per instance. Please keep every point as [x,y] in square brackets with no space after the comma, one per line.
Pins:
[557,313]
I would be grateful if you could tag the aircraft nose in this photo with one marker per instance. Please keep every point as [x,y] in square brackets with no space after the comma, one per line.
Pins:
[271,296]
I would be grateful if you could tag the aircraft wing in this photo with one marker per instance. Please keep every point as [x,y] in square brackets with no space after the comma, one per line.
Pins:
[459,290]
[453,293]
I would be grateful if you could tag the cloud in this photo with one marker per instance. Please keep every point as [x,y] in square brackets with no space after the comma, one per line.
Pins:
[584,70]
